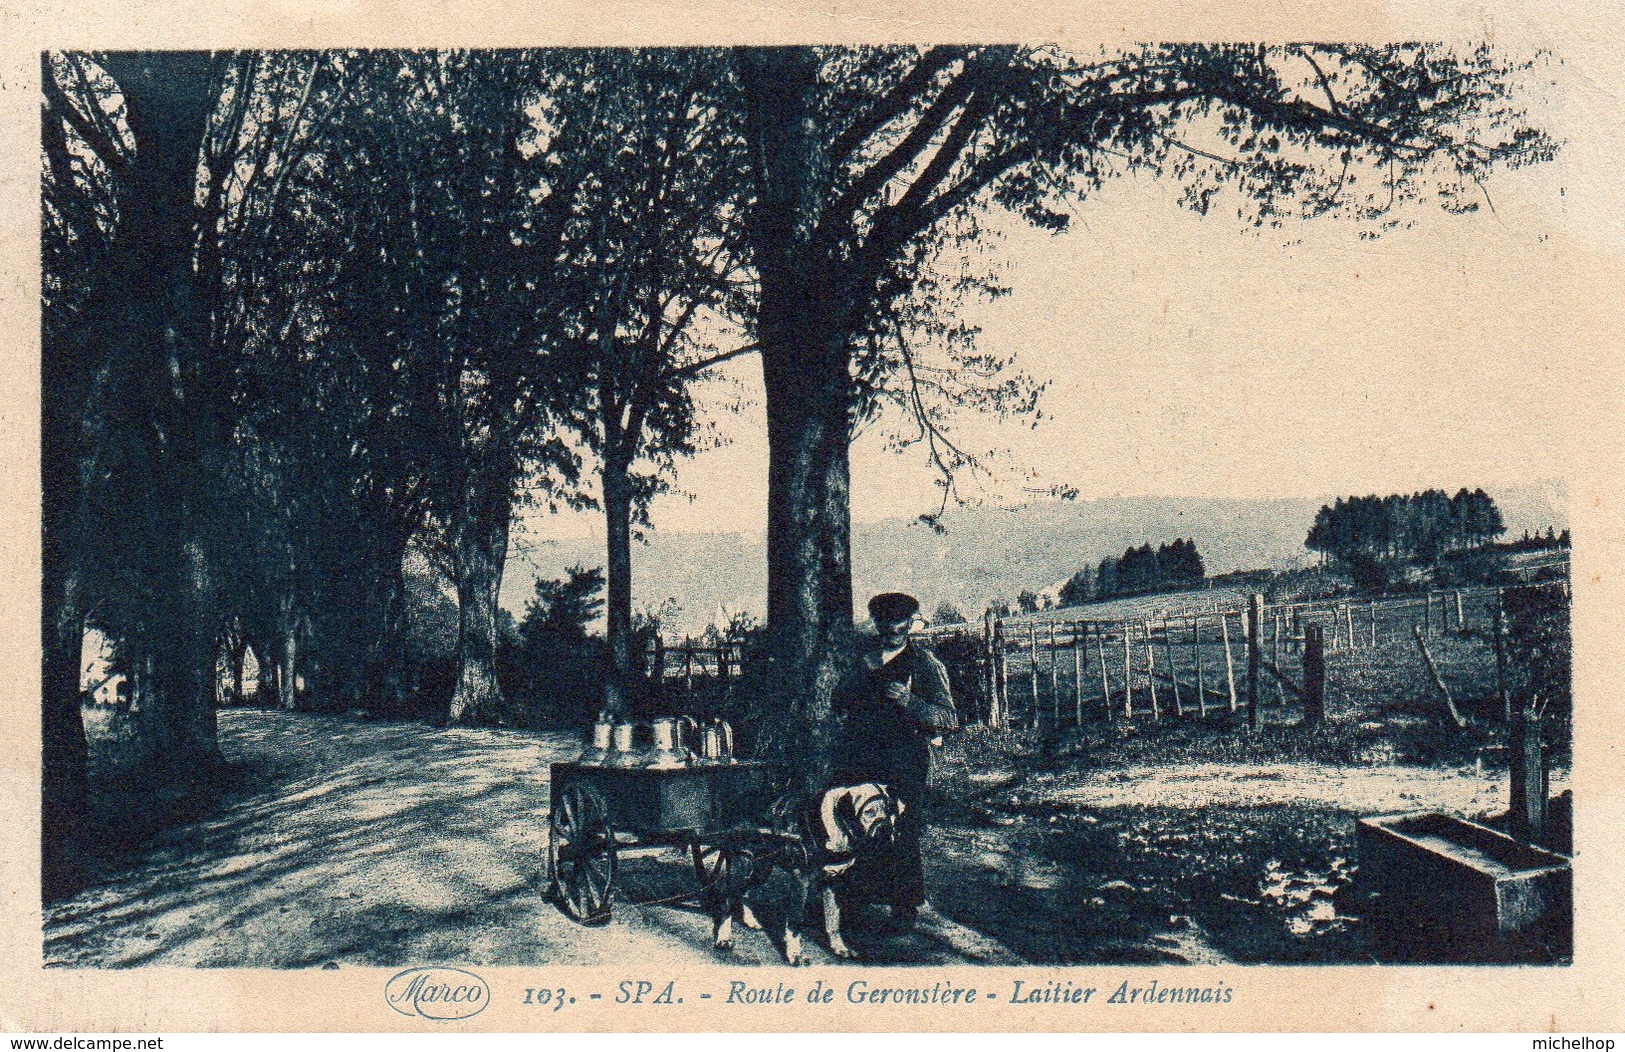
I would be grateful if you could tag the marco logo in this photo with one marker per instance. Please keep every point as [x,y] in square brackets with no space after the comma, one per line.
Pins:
[440,994]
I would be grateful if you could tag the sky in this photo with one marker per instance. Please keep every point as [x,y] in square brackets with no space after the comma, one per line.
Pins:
[1188,355]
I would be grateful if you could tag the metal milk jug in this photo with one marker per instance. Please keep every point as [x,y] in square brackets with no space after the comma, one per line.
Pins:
[622,753]
[598,742]
[717,741]
[670,741]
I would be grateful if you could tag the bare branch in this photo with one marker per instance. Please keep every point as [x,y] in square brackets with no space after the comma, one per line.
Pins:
[697,367]
[92,130]
[896,102]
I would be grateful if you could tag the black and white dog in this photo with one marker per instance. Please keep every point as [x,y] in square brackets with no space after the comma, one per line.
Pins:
[847,824]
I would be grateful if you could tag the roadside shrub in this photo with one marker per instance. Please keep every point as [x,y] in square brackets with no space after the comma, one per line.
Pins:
[1540,653]
[960,654]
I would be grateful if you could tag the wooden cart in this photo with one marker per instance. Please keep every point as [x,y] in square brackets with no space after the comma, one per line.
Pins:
[599,814]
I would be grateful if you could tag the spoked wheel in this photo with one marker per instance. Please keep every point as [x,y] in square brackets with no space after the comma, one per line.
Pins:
[581,850]
[785,820]
[723,869]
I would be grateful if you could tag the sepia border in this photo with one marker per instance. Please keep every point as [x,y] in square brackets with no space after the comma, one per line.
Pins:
[1590,38]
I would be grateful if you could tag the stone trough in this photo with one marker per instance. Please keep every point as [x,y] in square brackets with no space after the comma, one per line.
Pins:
[1439,887]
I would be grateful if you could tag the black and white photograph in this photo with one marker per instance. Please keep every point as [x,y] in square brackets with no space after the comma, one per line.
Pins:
[1087,512]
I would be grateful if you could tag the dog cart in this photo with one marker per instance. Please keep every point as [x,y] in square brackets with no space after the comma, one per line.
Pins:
[601,813]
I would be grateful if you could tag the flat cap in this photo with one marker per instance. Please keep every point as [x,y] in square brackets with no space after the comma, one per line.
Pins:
[889,608]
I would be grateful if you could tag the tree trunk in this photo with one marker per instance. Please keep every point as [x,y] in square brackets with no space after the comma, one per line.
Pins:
[618,582]
[63,764]
[64,377]
[152,321]
[809,563]
[265,662]
[805,362]
[286,672]
[186,670]
[384,688]
[239,657]
[167,101]
[479,551]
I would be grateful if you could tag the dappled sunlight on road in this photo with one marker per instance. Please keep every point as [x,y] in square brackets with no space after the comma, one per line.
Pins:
[375,843]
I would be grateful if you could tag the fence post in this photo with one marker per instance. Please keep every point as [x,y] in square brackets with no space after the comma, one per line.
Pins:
[1151,670]
[1314,674]
[1000,673]
[1348,623]
[1527,813]
[1229,667]
[1079,652]
[987,665]
[1196,659]
[1255,646]
[1427,617]
[1371,615]
[1461,622]
[1128,676]
[1054,681]
[1500,662]
[1173,668]
[1001,677]
[1279,621]
[1105,684]
[1032,665]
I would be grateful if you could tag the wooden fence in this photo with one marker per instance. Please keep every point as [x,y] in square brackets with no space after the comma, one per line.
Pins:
[690,666]
[1048,670]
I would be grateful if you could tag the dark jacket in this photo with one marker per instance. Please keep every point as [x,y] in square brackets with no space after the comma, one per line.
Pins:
[889,742]
[929,706]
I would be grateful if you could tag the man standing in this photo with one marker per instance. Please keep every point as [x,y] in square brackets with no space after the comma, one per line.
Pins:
[896,703]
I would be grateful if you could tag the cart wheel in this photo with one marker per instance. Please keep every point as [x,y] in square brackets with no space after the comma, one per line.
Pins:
[785,819]
[722,869]
[581,850]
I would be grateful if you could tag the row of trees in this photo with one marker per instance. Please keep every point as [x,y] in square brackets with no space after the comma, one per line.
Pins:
[1170,565]
[1421,525]
[305,313]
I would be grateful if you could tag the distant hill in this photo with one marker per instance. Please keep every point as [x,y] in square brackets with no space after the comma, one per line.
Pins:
[984,554]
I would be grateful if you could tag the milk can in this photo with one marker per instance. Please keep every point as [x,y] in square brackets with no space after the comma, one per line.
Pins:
[622,753]
[598,741]
[671,737]
[717,742]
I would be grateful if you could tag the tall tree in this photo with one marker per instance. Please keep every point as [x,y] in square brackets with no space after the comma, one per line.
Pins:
[657,262]
[862,155]
[1079,588]
[142,350]
[1399,526]
[345,392]
[500,164]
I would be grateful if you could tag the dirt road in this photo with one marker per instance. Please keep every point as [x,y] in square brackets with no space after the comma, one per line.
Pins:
[388,844]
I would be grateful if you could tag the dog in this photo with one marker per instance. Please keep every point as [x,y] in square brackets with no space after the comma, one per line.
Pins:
[821,844]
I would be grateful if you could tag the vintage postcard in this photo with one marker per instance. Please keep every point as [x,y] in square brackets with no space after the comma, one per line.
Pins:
[894,517]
